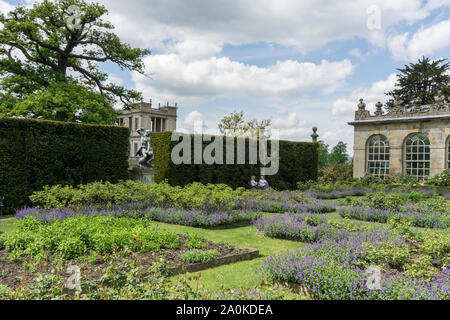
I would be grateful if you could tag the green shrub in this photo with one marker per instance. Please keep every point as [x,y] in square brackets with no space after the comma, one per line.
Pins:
[198,256]
[442,179]
[436,205]
[71,248]
[195,241]
[74,237]
[381,200]
[209,197]
[34,154]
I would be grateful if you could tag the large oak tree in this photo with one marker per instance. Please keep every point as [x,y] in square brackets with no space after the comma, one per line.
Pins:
[49,63]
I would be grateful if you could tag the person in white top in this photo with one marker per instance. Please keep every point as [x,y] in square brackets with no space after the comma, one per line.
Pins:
[253,183]
[263,184]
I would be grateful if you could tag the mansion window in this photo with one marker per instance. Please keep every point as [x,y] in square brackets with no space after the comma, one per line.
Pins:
[417,156]
[136,123]
[448,153]
[378,156]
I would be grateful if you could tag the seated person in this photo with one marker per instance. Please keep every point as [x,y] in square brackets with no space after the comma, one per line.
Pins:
[263,184]
[253,183]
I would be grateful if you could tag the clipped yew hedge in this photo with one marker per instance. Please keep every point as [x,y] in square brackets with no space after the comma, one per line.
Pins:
[298,162]
[36,153]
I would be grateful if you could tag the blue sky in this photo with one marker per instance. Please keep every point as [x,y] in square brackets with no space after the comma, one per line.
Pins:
[301,63]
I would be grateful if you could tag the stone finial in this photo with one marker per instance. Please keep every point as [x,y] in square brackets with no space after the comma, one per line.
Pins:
[315,136]
[379,111]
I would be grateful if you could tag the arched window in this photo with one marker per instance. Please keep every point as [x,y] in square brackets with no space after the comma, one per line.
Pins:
[448,153]
[417,156]
[378,156]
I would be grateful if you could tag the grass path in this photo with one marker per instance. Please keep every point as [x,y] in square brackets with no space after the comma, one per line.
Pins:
[7,224]
[240,274]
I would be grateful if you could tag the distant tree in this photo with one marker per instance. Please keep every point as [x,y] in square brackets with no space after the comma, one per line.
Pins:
[339,154]
[324,155]
[419,82]
[236,125]
[49,63]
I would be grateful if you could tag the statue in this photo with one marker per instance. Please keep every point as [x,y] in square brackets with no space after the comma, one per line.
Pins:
[146,151]
[361,105]
[362,113]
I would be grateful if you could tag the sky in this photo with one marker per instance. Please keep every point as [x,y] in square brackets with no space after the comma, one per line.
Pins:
[301,63]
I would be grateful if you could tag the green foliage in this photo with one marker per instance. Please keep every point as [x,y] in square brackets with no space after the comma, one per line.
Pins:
[422,256]
[298,162]
[194,196]
[381,200]
[126,280]
[442,179]
[338,171]
[234,125]
[324,156]
[199,256]
[195,241]
[421,267]
[435,205]
[419,82]
[395,256]
[72,238]
[71,248]
[60,69]
[34,154]
[339,153]
[64,101]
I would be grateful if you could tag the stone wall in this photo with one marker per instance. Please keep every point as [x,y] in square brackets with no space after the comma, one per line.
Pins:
[437,130]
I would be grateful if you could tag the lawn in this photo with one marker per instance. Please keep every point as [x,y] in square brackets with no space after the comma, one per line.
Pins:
[7,224]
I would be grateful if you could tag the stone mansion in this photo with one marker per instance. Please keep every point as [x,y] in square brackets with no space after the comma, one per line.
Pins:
[412,140]
[161,119]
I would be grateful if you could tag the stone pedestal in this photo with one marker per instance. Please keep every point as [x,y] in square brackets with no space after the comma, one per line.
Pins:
[145,175]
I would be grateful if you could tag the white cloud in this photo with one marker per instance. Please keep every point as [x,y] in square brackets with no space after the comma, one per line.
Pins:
[355,52]
[423,42]
[371,96]
[304,24]
[192,118]
[192,81]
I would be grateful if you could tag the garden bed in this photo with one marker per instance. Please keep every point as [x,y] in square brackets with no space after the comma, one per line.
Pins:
[24,270]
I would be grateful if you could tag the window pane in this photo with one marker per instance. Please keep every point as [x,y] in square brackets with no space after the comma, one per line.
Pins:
[417,156]
[378,156]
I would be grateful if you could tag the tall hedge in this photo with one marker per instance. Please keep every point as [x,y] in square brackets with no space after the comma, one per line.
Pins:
[38,153]
[298,162]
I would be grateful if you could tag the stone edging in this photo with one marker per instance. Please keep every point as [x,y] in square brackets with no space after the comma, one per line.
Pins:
[250,255]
